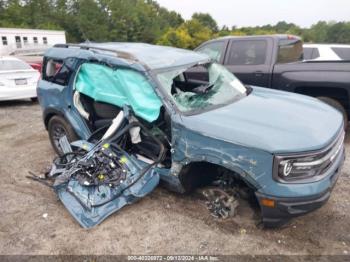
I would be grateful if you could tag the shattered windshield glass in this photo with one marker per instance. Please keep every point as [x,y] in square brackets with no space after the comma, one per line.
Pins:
[201,87]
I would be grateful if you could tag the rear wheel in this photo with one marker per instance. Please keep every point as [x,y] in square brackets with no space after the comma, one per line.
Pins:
[334,103]
[57,128]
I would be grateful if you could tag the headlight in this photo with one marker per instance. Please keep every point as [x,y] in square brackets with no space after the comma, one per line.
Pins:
[298,168]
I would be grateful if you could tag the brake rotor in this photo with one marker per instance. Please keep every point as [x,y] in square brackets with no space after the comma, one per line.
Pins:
[220,204]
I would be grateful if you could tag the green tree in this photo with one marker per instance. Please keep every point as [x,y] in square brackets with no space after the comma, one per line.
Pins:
[13,15]
[92,22]
[317,33]
[189,35]
[145,21]
[206,20]
[339,33]
[178,37]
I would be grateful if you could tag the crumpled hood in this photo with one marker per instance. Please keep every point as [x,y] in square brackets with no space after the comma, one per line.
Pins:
[271,120]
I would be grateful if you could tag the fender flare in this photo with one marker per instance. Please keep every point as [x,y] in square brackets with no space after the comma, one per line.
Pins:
[50,112]
[244,175]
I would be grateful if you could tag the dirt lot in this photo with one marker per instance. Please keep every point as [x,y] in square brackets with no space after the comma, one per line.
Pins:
[162,223]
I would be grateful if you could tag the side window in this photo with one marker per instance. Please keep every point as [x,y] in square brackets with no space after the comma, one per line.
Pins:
[57,72]
[4,40]
[289,51]
[343,53]
[25,40]
[311,53]
[247,52]
[315,53]
[307,53]
[213,50]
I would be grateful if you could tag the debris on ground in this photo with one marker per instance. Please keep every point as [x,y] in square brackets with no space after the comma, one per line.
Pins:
[94,180]
[243,231]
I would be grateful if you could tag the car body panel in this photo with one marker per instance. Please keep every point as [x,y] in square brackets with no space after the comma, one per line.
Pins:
[17,83]
[28,91]
[254,122]
[150,54]
[57,100]
[254,165]
[325,51]
[93,204]
[243,136]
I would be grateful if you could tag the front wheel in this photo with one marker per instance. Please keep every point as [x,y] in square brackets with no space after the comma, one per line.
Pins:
[57,128]
[334,103]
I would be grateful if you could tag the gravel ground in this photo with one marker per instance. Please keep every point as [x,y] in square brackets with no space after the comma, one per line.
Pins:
[162,223]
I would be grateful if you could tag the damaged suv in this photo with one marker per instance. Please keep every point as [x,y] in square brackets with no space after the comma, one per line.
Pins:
[135,105]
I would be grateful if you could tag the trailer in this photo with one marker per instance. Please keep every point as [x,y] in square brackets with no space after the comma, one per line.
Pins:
[18,40]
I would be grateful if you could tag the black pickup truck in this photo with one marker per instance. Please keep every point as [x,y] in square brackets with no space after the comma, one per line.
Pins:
[276,61]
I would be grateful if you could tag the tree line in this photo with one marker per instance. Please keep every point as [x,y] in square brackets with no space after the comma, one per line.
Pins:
[144,21]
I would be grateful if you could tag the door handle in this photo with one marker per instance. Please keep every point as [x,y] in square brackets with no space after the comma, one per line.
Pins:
[258,73]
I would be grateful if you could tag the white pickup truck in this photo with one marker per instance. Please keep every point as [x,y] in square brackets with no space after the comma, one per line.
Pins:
[326,52]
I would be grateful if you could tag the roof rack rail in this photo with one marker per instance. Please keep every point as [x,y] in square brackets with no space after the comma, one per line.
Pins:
[120,54]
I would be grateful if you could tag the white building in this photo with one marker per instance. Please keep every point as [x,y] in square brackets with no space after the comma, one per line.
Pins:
[19,40]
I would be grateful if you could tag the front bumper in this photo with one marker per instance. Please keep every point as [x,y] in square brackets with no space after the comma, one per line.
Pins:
[287,208]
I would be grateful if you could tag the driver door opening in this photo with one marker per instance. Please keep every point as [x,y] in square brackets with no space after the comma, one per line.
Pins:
[101,92]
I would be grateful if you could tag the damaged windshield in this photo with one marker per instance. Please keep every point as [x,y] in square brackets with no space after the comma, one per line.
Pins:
[201,87]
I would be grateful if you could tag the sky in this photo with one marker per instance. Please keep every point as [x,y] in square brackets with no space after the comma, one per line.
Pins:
[260,12]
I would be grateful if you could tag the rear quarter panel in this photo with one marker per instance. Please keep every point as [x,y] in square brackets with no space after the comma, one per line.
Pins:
[55,99]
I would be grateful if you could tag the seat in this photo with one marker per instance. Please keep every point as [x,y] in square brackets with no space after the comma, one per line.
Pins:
[100,114]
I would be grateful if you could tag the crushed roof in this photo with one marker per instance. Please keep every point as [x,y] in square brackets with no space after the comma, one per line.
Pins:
[153,56]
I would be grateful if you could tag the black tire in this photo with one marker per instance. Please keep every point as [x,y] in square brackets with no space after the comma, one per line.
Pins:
[58,127]
[34,99]
[334,103]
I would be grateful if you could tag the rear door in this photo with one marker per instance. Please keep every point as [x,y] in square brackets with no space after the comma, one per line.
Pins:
[250,60]
[55,92]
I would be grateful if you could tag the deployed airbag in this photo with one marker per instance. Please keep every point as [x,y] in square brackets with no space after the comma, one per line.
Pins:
[119,87]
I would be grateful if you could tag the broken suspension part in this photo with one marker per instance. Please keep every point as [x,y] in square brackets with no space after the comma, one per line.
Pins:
[220,203]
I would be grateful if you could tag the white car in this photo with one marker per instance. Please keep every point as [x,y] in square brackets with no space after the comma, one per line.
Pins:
[326,52]
[18,79]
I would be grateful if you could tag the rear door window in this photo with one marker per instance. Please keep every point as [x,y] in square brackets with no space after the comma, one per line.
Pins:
[57,72]
[311,53]
[342,52]
[213,50]
[289,50]
[247,52]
